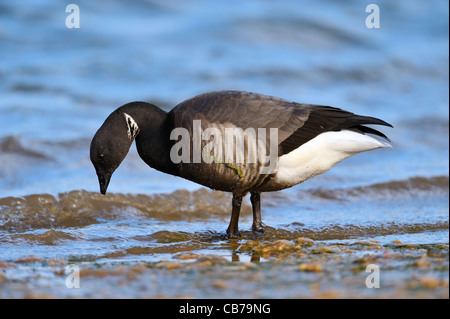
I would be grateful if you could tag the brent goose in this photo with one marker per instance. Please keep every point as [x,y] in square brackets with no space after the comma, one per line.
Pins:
[309,140]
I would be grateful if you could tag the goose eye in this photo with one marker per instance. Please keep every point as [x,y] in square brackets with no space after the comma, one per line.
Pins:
[101,157]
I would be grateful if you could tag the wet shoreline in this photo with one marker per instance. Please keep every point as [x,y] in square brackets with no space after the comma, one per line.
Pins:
[131,246]
[300,268]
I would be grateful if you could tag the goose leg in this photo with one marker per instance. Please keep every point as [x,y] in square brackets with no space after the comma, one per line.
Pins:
[233,228]
[255,198]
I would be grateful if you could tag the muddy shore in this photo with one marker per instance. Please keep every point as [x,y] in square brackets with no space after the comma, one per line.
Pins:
[300,268]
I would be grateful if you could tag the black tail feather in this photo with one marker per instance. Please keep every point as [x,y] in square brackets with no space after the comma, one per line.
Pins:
[370,130]
[369,120]
[323,119]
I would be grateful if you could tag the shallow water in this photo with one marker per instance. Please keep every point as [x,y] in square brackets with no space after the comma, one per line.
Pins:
[58,85]
[88,226]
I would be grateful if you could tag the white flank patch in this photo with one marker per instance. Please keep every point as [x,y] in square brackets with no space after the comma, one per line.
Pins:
[321,153]
[133,128]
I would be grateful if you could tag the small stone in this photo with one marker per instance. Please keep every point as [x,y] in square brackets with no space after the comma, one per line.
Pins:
[174,265]
[276,246]
[423,263]
[323,250]
[305,241]
[220,284]
[56,262]
[312,267]
[429,282]
[186,256]
[29,259]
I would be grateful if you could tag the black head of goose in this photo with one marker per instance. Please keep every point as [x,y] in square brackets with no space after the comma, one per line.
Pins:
[234,141]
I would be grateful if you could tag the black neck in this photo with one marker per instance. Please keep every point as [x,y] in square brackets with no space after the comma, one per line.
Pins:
[153,141]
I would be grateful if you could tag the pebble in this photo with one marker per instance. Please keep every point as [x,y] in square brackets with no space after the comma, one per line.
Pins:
[322,250]
[186,256]
[173,265]
[429,282]
[423,263]
[29,259]
[220,284]
[304,241]
[312,267]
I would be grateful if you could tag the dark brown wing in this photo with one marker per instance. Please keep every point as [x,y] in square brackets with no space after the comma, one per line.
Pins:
[296,123]
[241,109]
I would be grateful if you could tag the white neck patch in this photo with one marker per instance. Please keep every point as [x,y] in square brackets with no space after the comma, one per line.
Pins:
[133,128]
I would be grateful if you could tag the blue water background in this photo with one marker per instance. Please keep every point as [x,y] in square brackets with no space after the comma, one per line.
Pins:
[58,84]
